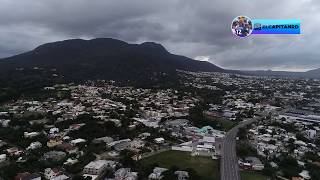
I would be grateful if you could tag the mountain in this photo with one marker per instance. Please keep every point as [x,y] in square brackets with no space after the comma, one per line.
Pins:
[313,73]
[308,74]
[106,58]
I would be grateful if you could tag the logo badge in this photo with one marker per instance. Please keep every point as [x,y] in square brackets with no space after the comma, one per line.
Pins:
[241,26]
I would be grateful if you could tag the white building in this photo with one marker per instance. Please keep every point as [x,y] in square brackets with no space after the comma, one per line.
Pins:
[60,177]
[311,134]
[5,122]
[157,173]
[51,173]
[34,145]
[31,134]
[305,174]
[77,141]
[3,158]
[159,140]
[125,174]
[54,130]
[255,163]
[182,175]
[95,167]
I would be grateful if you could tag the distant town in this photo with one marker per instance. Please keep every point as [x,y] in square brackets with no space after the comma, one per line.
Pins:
[105,130]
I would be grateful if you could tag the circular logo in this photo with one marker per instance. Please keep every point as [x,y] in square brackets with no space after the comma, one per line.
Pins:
[241,26]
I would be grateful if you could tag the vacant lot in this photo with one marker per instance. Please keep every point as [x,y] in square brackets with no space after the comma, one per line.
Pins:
[251,175]
[222,122]
[226,124]
[205,167]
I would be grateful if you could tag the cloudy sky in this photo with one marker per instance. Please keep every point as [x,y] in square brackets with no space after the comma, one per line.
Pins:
[198,29]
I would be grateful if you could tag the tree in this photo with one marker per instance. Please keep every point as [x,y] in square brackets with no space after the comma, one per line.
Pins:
[126,158]
[301,137]
[8,94]
[169,174]
[242,133]
[262,131]
[268,170]
[291,146]
[272,142]
[79,177]
[314,171]
[317,142]
[193,175]
[10,171]
[311,156]
[239,117]
[289,166]
[250,113]
[146,169]
[244,149]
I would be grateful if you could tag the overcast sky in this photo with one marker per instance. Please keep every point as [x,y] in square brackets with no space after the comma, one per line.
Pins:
[198,29]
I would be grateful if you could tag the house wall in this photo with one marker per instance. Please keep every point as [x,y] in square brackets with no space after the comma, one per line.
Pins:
[185,148]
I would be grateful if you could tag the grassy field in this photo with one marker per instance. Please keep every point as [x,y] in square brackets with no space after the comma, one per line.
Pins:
[251,175]
[205,167]
[225,124]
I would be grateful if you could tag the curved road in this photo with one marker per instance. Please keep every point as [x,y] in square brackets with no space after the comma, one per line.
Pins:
[229,161]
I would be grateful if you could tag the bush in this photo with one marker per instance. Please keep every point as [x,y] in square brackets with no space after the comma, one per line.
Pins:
[244,149]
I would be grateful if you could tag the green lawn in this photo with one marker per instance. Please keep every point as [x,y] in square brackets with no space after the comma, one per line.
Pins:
[225,123]
[251,175]
[205,166]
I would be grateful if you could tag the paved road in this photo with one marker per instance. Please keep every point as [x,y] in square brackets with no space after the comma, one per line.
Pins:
[229,161]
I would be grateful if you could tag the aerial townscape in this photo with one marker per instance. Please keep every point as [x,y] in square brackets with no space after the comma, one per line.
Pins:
[159,90]
[211,125]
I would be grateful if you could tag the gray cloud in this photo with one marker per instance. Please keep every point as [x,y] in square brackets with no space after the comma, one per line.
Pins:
[187,27]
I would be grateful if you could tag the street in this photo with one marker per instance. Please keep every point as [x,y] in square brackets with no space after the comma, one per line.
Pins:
[229,161]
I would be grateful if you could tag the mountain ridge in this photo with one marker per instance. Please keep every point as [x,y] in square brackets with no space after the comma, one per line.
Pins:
[106,58]
[70,49]
[315,73]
